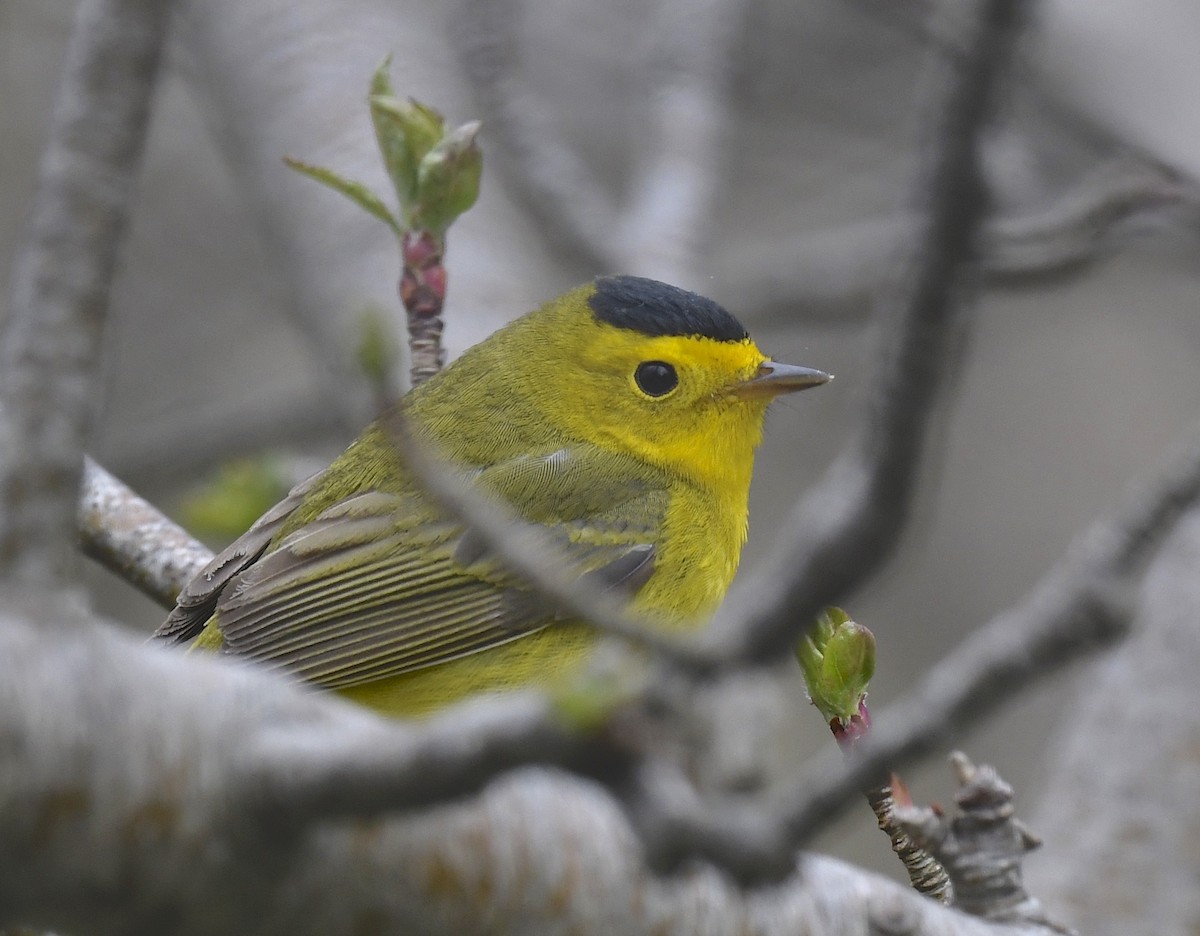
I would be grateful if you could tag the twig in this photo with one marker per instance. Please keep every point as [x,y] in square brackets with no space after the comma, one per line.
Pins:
[133,539]
[982,848]
[1077,226]
[925,872]
[61,279]
[1083,604]
[827,272]
[423,294]
[305,774]
[849,523]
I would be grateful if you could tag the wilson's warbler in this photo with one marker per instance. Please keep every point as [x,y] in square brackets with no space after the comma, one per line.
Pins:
[622,416]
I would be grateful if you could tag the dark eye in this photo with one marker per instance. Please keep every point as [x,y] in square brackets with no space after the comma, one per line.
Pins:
[656,378]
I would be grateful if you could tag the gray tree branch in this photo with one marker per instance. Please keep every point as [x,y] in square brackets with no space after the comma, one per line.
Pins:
[133,539]
[151,791]
[847,525]
[1123,768]
[824,272]
[51,340]
[1086,603]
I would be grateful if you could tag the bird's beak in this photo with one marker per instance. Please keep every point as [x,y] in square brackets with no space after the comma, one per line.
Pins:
[774,379]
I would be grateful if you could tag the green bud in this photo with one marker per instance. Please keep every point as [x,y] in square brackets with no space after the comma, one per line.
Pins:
[355,191]
[838,661]
[448,179]
[435,174]
[406,131]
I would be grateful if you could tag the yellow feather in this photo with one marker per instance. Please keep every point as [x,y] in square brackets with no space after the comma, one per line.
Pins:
[623,416]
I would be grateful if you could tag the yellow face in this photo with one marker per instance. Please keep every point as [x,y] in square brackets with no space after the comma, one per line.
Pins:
[672,400]
[690,402]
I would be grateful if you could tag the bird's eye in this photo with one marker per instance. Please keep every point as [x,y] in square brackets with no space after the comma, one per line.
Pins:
[656,378]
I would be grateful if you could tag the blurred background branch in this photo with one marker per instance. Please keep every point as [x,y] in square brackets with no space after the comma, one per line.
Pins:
[848,525]
[50,344]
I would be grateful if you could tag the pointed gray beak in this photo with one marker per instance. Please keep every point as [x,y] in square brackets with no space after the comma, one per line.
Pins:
[774,379]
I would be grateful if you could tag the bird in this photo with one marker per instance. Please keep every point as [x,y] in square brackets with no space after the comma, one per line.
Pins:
[621,418]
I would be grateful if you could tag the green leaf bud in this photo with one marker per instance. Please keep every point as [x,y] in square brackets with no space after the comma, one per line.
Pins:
[406,131]
[448,179]
[838,661]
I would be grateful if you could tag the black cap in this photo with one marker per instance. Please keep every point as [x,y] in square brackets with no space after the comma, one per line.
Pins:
[654,308]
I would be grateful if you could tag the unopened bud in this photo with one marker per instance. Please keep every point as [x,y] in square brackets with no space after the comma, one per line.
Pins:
[838,661]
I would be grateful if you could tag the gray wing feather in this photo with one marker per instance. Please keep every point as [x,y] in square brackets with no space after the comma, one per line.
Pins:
[196,603]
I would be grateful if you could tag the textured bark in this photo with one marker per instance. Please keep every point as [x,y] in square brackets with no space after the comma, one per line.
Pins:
[143,794]
[1123,779]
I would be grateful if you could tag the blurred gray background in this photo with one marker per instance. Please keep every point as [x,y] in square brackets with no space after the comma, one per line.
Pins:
[764,153]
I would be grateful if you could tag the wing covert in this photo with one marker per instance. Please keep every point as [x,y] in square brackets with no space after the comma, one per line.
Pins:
[382,583]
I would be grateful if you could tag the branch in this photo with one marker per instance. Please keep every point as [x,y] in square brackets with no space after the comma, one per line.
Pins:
[133,539]
[1119,799]
[160,790]
[848,524]
[827,272]
[1085,603]
[61,279]
[307,774]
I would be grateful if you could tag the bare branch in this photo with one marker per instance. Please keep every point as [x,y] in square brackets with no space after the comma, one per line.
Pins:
[849,523]
[1083,604]
[127,803]
[309,774]
[826,272]
[131,538]
[1076,227]
[925,872]
[61,279]
[1121,785]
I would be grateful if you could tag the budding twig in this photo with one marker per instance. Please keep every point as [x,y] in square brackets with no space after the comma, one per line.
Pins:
[435,174]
